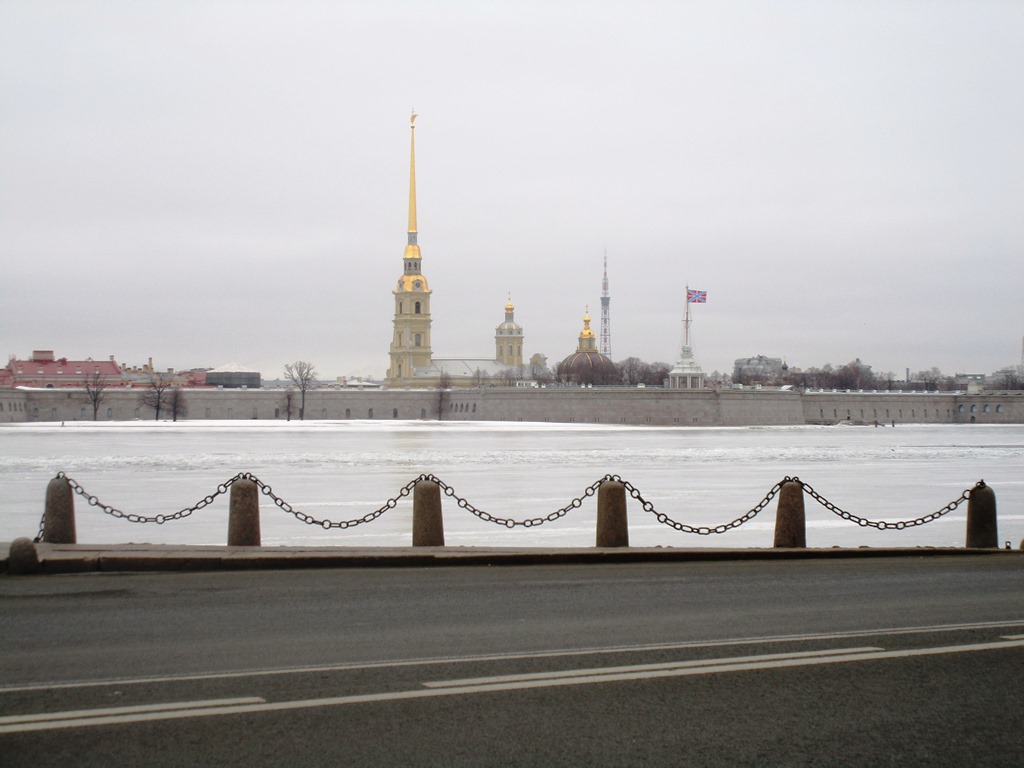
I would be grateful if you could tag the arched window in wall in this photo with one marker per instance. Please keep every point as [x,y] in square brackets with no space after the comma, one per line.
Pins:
[419,340]
[416,308]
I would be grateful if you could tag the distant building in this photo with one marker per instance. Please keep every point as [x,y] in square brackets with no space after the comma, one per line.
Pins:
[233,376]
[760,368]
[45,370]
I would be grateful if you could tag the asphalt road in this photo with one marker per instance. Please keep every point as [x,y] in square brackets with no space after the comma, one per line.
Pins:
[909,661]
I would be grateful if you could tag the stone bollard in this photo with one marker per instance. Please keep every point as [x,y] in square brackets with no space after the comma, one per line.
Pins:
[427,522]
[59,513]
[244,517]
[790,526]
[612,525]
[23,557]
[981,518]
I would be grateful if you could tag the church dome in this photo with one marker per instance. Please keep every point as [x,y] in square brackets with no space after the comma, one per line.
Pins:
[586,365]
[509,326]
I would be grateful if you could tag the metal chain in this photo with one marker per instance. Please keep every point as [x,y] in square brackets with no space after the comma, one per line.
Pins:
[509,522]
[133,518]
[576,503]
[883,525]
[391,503]
[703,530]
[42,525]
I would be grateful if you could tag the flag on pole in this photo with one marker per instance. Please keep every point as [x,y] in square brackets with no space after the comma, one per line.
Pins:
[696,297]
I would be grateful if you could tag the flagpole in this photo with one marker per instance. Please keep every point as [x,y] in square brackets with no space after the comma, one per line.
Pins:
[686,319]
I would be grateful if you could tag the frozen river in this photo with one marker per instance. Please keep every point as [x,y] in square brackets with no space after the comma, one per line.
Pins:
[343,470]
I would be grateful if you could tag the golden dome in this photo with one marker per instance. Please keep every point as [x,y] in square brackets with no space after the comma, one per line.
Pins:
[509,306]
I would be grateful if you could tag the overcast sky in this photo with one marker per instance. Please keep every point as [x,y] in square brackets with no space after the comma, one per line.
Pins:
[213,182]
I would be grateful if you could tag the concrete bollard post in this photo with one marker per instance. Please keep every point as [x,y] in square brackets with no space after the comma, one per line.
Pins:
[59,513]
[427,521]
[612,524]
[23,557]
[981,519]
[244,515]
[790,525]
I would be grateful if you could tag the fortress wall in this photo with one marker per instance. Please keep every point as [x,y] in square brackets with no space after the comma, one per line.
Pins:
[883,407]
[914,407]
[760,408]
[124,405]
[657,407]
[654,406]
[578,405]
[989,408]
[13,405]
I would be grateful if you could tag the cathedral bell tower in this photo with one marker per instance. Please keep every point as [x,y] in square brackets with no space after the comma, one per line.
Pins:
[410,342]
[508,339]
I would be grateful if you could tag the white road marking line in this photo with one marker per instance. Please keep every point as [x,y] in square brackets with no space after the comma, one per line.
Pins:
[594,671]
[425,693]
[1013,637]
[566,652]
[79,714]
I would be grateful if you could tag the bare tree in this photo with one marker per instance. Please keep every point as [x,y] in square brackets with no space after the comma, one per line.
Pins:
[289,403]
[176,403]
[657,373]
[479,377]
[444,383]
[303,376]
[95,386]
[155,394]
[632,371]
[508,377]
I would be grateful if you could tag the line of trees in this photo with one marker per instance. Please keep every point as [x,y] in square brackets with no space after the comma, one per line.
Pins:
[858,375]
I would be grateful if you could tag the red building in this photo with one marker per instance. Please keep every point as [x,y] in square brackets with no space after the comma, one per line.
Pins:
[45,371]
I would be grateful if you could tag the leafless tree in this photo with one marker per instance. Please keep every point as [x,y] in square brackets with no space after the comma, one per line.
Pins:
[95,387]
[303,376]
[289,403]
[176,403]
[657,374]
[155,395]
[479,377]
[508,377]
[444,383]
[1008,378]
[632,371]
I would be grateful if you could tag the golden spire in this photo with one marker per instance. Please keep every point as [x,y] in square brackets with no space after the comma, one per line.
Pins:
[412,172]
[510,307]
[412,250]
[587,343]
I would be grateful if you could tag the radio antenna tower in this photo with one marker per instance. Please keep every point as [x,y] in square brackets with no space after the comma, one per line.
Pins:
[606,321]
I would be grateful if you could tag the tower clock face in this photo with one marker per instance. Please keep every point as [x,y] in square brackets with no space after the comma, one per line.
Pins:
[417,284]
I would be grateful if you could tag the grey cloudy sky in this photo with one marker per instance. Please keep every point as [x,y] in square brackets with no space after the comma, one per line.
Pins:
[207,182]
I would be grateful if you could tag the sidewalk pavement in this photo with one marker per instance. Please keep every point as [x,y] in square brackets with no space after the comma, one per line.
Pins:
[79,558]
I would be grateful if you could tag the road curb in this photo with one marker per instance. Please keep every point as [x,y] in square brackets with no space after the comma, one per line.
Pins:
[83,558]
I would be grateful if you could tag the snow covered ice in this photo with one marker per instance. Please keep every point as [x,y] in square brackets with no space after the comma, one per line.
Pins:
[343,470]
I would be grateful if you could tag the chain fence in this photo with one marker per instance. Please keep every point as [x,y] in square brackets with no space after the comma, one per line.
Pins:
[883,525]
[507,522]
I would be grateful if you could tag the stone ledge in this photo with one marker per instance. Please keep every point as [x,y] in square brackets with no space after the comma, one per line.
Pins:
[80,558]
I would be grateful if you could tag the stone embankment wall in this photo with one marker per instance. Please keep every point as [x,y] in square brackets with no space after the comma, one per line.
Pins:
[914,407]
[572,405]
